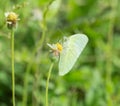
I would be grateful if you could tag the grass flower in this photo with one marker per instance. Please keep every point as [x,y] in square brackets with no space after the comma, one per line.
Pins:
[11,19]
[56,48]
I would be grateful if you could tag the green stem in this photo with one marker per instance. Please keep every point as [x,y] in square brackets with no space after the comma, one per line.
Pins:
[29,67]
[13,73]
[47,84]
[25,85]
[109,52]
[39,46]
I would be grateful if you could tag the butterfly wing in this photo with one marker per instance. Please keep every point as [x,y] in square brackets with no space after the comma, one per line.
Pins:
[72,48]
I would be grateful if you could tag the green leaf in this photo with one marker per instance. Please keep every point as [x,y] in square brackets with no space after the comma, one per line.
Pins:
[72,48]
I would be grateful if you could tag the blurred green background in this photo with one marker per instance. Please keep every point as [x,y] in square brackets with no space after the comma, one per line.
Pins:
[95,78]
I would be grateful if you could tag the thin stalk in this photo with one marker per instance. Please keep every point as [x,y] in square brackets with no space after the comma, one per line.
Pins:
[35,101]
[25,85]
[13,72]
[35,51]
[47,83]
[109,52]
[29,67]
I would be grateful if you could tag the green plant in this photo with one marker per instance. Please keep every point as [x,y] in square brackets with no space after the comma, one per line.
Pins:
[11,20]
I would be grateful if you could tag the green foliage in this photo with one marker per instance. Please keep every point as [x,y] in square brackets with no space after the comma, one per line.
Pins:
[93,81]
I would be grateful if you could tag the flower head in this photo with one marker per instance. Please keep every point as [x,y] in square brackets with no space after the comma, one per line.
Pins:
[56,48]
[59,47]
[11,19]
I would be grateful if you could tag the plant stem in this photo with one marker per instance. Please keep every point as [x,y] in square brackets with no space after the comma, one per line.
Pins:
[25,85]
[37,48]
[13,73]
[47,83]
[109,53]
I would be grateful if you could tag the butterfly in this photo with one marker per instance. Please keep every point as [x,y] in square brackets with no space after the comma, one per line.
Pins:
[69,51]
[72,48]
